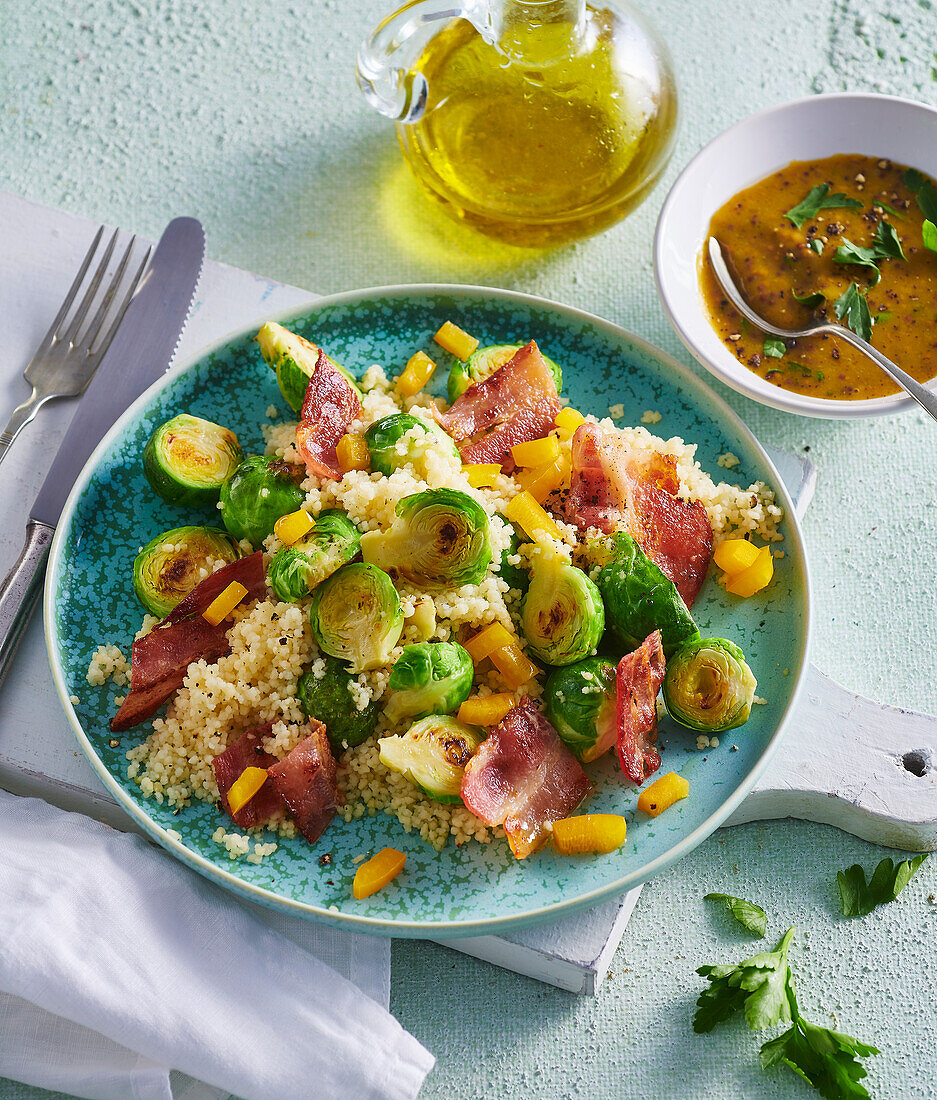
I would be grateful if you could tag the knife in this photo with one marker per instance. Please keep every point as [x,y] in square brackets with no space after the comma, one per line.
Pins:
[141,351]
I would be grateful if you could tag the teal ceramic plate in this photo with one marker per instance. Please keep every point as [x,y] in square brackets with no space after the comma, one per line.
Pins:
[477,888]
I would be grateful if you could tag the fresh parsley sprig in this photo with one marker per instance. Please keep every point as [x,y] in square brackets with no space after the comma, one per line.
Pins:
[756,986]
[774,348]
[852,307]
[819,198]
[859,897]
[886,245]
[926,195]
[749,915]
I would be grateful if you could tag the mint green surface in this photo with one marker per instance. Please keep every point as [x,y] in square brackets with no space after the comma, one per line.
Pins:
[246,114]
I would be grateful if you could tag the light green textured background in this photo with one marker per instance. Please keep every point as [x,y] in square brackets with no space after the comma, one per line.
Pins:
[245,113]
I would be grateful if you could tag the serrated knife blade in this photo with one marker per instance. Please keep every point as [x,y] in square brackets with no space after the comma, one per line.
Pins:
[141,351]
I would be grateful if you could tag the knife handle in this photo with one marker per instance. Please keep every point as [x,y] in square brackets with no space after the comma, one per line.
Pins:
[20,589]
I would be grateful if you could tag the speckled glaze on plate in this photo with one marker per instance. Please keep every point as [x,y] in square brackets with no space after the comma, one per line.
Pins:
[479,888]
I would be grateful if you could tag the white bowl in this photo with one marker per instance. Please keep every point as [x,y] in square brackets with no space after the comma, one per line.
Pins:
[806,129]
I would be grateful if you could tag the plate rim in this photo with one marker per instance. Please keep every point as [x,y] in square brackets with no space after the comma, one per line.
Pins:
[353,922]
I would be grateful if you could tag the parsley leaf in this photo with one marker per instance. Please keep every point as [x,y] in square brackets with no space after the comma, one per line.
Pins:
[929,235]
[913,179]
[812,301]
[818,198]
[888,880]
[827,1060]
[890,209]
[885,243]
[757,985]
[852,306]
[816,244]
[747,913]
[927,200]
[775,348]
[849,253]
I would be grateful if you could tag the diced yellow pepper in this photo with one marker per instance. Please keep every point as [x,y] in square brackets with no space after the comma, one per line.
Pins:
[567,421]
[224,603]
[734,555]
[291,528]
[485,642]
[515,668]
[541,481]
[536,452]
[455,340]
[415,375]
[663,793]
[589,834]
[480,474]
[755,577]
[243,789]
[528,514]
[485,710]
[353,453]
[375,874]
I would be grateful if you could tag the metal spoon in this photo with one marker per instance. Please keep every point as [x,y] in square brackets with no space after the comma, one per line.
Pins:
[925,398]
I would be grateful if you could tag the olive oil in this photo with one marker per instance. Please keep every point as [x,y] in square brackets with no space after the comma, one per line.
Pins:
[552,132]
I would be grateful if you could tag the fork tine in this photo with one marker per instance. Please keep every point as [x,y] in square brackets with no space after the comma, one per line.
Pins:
[105,340]
[68,336]
[49,337]
[94,326]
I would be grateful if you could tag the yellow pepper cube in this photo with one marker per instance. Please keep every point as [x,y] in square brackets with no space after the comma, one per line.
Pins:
[663,793]
[514,666]
[486,710]
[589,834]
[224,603]
[525,511]
[755,577]
[353,453]
[537,452]
[243,789]
[479,474]
[569,419]
[291,528]
[453,339]
[486,641]
[734,555]
[415,375]
[377,872]
[541,481]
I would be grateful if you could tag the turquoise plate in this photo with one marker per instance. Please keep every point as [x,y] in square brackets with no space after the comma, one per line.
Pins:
[477,888]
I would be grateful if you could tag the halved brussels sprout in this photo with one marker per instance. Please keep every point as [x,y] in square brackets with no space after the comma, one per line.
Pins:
[439,539]
[579,701]
[258,492]
[562,615]
[482,363]
[328,699]
[429,678]
[433,754]
[172,564]
[708,686]
[384,435]
[517,576]
[356,616]
[640,598]
[332,542]
[294,359]
[188,459]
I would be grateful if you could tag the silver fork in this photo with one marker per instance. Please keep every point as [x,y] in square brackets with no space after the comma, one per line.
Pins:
[71,350]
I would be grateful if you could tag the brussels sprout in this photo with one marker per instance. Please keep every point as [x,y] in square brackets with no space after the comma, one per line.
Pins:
[579,701]
[296,570]
[708,686]
[429,678]
[294,360]
[439,540]
[356,616]
[482,363]
[384,435]
[187,460]
[327,697]
[517,576]
[172,564]
[640,598]
[562,615]
[433,754]
[258,492]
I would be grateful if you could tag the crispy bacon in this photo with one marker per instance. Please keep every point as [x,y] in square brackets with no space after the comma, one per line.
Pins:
[523,777]
[159,661]
[305,781]
[248,752]
[640,675]
[613,483]
[515,404]
[329,407]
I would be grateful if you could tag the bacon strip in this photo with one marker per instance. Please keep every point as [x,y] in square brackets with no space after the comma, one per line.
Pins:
[523,777]
[640,675]
[247,752]
[159,661]
[517,403]
[305,781]
[613,484]
[329,406]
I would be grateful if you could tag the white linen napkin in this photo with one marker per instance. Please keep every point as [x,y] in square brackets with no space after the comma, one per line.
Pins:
[119,965]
